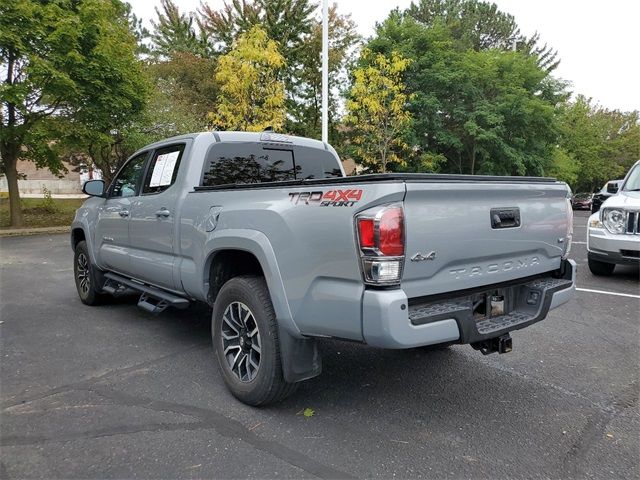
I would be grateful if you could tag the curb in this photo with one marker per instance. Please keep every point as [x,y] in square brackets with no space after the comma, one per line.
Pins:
[21,232]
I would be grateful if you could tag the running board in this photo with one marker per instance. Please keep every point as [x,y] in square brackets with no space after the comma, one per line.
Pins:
[152,299]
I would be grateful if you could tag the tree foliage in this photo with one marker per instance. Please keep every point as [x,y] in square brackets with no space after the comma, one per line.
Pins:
[163,116]
[251,95]
[304,90]
[377,110]
[59,60]
[486,111]
[298,33]
[602,143]
[479,25]
[193,86]
[288,22]
[176,32]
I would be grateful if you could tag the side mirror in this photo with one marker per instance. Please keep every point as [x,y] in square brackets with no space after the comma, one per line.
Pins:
[612,188]
[95,188]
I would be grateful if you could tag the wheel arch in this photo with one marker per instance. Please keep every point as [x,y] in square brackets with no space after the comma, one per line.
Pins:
[77,236]
[254,250]
[300,357]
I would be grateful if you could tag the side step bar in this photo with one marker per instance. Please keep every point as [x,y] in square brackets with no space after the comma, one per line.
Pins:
[152,299]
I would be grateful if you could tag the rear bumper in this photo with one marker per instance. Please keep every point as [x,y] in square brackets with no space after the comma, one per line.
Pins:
[390,320]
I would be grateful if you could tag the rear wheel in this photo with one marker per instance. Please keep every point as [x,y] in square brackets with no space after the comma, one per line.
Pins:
[245,338]
[601,268]
[87,277]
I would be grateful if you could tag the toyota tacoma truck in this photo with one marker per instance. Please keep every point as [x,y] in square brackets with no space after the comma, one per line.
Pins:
[287,250]
[613,235]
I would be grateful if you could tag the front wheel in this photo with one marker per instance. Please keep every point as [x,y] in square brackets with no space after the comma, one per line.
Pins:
[245,337]
[601,268]
[86,276]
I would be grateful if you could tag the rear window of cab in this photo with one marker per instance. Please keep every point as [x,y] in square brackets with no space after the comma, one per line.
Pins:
[247,162]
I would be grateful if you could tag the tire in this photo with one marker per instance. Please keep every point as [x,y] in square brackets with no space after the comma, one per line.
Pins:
[87,277]
[245,334]
[601,268]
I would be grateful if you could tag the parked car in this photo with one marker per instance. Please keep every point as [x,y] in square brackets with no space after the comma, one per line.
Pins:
[267,230]
[613,236]
[610,188]
[581,201]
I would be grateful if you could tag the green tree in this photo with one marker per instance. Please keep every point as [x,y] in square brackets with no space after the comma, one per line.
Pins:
[176,32]
[251,95]
[486,111]
[564,167]
[602,143]
[291,23]
[191,78]
[304,91]
[163,116]
[377,111]
[481,26]
[61,60]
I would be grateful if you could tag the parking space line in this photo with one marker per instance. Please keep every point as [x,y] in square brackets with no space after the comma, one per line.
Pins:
[607,293]
[578,243]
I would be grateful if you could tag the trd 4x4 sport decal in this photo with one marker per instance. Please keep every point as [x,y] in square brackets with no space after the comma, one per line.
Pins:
[332,198]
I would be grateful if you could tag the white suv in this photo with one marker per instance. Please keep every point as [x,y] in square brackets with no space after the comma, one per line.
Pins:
[613,236]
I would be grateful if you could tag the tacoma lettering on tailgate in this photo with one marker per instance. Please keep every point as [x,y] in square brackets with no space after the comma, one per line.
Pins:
[479,270]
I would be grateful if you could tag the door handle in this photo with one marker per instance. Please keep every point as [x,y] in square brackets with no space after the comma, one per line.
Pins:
[123,213]
[163,212]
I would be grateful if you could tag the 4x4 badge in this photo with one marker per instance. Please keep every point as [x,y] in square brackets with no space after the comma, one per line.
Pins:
[419,257]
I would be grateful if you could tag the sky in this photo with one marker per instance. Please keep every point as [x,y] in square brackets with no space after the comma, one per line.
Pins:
[598,42]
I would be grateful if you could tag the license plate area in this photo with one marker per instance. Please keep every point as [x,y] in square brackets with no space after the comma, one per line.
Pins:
[492,303]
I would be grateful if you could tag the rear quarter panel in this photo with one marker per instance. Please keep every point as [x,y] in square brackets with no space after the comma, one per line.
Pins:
[314,247]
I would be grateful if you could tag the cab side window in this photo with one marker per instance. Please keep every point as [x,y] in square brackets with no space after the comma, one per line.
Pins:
[127,183]
[312,163]
[163,169]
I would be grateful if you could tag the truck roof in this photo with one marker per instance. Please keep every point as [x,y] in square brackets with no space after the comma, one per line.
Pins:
[263,137]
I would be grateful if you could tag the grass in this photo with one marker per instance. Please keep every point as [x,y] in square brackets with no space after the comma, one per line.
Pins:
[42,212]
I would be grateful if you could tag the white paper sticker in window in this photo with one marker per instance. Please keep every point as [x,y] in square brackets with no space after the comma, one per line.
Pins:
[163,169]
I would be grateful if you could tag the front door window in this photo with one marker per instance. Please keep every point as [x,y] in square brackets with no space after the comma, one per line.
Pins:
[127,183]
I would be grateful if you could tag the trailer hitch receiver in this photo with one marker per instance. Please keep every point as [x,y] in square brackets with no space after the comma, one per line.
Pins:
[501,344]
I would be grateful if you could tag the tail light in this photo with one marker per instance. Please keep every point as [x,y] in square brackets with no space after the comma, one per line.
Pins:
[380,232]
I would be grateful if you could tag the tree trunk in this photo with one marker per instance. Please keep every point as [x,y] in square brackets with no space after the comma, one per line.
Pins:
[10,148]
[10,159]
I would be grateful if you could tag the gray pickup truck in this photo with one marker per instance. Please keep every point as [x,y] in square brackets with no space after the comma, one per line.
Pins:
[268,230]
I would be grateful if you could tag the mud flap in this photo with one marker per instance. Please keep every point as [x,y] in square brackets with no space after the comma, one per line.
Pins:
[300,357]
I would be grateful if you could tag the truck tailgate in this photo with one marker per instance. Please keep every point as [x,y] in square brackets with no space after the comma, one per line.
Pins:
[452,243]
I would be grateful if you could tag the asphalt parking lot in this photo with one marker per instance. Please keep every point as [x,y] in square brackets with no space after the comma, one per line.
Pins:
[114,392]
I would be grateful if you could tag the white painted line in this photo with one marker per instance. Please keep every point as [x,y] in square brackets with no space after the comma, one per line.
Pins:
[607,293]
[579,243]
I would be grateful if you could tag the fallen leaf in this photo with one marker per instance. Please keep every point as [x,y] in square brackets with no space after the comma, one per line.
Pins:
[609,435]
[308,412]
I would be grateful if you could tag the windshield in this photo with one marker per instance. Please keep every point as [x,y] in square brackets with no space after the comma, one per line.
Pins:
[633,181]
